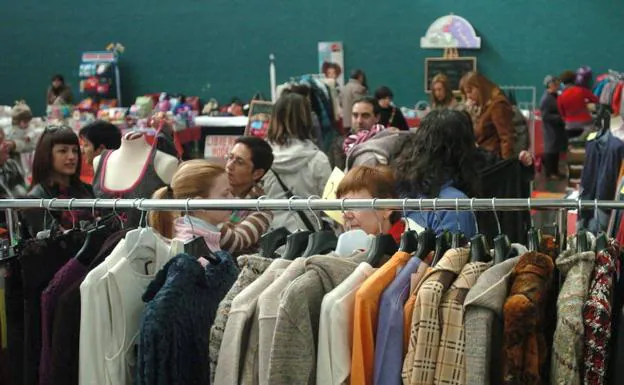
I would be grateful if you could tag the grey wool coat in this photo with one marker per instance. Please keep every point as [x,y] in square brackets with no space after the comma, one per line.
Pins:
[483,324]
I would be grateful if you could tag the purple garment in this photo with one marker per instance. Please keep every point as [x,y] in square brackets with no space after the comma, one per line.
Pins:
[70,273]
[389,340]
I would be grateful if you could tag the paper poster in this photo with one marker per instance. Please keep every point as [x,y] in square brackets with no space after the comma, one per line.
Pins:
[218,146]
[330,193]
[331,60]
[259,118]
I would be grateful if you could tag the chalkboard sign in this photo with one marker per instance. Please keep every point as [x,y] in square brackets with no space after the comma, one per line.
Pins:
[454,69]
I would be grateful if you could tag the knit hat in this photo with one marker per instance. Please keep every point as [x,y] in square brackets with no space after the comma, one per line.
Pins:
[21,112]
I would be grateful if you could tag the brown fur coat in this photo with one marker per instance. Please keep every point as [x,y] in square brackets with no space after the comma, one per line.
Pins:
[524,347]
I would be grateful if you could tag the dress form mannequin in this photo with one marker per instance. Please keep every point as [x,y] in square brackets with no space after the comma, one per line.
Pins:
[125,165]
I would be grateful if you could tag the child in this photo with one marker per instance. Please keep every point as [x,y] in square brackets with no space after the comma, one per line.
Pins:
[12,183]
[21,138]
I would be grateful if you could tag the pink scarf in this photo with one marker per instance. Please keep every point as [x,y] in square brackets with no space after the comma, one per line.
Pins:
[360,137]
[185,232]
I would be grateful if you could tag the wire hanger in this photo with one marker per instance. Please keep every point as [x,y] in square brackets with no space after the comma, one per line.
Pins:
[443,242]
[601,236]
[458,239]
[297,242]
[426,240]
[409,238]
[322,241]
[534,236]
[272,240]
[479,251]
[502,246]
[581,234]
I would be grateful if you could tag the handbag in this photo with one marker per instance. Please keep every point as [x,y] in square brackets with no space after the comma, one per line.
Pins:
[304,218]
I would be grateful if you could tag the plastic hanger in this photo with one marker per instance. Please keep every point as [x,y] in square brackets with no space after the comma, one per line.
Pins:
[272,240]
[479,251]
[322,241]
[502,246]
[383,245]
[534,236]
[581,234]
[426,240]
[196,246]
[458,239]
[296,242]
[601,237]
[351,240]
[409,238]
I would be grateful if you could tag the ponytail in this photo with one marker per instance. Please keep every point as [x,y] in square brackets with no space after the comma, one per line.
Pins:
[160,220]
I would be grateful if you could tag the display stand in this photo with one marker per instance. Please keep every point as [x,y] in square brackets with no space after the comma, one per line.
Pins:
[99,76]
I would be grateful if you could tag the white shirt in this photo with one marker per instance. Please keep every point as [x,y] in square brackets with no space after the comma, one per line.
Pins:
[333,364]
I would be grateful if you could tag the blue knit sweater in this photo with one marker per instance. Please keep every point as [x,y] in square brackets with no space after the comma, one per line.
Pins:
[181,305]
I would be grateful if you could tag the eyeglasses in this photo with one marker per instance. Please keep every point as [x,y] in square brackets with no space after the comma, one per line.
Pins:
[237,160]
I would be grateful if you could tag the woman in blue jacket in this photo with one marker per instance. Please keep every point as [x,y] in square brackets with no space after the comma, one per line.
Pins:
[438,161]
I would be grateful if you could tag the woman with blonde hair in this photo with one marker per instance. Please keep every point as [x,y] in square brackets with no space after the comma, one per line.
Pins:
[200,179]
[494,128]
[299,168]
[441,92]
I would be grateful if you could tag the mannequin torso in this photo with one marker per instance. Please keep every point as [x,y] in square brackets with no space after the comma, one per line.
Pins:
[125,166]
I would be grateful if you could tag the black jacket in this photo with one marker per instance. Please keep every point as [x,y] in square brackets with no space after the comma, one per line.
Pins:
[393,117]
[555,137]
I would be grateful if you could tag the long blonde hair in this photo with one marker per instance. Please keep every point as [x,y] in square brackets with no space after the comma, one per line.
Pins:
[194,178]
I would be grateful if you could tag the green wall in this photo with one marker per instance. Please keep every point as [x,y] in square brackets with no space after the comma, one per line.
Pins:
[220,47]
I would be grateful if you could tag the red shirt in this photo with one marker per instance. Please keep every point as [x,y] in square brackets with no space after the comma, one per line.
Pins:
[572,104]
[397,230]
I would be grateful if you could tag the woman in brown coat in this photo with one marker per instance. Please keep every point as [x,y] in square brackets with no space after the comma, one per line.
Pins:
[494,129]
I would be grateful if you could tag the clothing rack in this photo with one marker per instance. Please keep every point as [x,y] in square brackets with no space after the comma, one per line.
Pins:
[313,203]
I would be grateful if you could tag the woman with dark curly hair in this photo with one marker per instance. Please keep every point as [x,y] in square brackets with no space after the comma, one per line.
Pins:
[438,161]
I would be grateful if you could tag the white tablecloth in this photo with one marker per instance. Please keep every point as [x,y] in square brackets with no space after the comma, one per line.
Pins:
[221,121]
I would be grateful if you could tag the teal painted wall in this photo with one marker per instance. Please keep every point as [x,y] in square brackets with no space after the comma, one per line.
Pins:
[220,47]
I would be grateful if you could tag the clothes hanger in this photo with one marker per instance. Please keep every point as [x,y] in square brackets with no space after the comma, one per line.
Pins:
[272,240]
[296,242]
[443,242]
[97,234]
[351,240]
[534,236]
[382,245]
[479,251]
[196,246]
[601,236]
[502,246]
[426,240]
[458,239]
[322,241]
[581,234]
[409,238]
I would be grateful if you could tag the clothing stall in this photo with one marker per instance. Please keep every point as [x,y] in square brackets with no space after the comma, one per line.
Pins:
[104,304]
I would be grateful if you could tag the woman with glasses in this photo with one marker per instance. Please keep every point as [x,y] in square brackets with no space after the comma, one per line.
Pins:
[56,174]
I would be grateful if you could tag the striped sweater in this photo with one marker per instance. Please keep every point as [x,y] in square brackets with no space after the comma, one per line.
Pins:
[243,237]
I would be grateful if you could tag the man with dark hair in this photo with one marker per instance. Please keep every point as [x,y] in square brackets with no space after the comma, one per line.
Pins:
[247,162]
[364,114]
[99,136]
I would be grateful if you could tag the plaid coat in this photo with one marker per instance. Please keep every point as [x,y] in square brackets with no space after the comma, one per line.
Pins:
[597,313]
[422,354]
[451,367]
[567,354]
